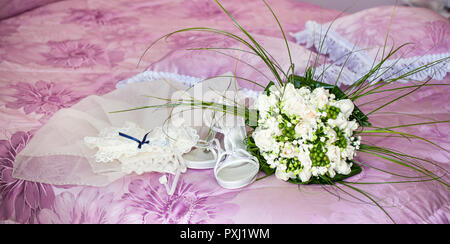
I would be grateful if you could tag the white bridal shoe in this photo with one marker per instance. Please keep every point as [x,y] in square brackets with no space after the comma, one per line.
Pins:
[205,152]
[204,155]
[235,167]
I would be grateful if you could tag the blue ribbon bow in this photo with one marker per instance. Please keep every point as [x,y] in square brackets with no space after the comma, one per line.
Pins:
[144,140]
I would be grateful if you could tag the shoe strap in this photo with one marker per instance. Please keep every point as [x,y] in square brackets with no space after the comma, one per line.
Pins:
[242,156]
[163,179]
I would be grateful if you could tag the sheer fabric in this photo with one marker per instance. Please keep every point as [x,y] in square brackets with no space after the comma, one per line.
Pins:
[65,150]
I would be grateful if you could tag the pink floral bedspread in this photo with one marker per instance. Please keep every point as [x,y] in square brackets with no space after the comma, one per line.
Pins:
[57,54]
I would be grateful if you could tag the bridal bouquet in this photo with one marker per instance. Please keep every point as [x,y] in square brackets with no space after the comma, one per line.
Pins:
[305,134]
[310,132]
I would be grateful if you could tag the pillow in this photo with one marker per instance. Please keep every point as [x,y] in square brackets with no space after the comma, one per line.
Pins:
[12,7]
[363,36]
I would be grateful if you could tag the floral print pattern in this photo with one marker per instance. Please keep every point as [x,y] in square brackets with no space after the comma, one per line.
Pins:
[74,54]
[209,9]
[20,200]
[42,98]
[96,17]
[439,31]
[368,29]
[190,204]
[89,206]
[54,55]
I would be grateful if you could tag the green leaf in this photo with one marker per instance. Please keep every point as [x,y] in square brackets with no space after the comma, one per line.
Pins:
[254,150]
[267,89]
[251,117]
[308,81]
[356,169]
[265,167]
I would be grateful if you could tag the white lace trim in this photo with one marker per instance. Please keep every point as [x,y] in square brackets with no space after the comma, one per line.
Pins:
[326,73]
[404,65]
[184,79]
[155,75]
[161,154]
[359,62]
[333,45]
[330,73]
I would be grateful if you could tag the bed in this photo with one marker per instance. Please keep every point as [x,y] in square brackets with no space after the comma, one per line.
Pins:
[55,53]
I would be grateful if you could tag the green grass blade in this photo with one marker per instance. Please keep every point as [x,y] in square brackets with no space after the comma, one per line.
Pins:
[263,52]
[369,197]
[284,35]
[396,99]
[402,133]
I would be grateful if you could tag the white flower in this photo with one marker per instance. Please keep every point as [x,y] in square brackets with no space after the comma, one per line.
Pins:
[281,174]
[304,92]
[268,156]
[304,159]
[309,114]
[340,122]
[331,172]
[343,167]
[264,103]
[277,164]
[333,153]
[264,140]
[331,134]
[348,152]
[305,174]
[274,91]
[294,106]
[270,159]
[288,151]
[316,171]
[350,127]
[305,110]
[320,97]
[272,125]
[293,102]
[289,92]
[305,129]
[346,106]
